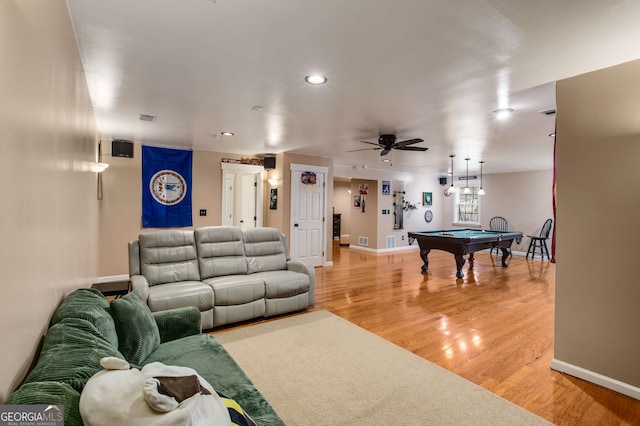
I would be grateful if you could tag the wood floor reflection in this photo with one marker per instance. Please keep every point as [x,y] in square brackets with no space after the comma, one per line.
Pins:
[493,327]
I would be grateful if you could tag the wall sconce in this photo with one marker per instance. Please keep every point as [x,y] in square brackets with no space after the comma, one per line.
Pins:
[99,167]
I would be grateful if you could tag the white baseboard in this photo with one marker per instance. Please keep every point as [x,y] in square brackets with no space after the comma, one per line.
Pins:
[384,250]
[112,278]
[328,263]
[596,378]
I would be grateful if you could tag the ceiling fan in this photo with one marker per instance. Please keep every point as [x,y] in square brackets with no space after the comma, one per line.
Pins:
[388,142]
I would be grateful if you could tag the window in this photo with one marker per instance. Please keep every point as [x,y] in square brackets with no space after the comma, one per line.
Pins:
[467,206]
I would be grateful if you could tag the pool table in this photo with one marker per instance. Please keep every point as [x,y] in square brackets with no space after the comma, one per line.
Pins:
[463,241]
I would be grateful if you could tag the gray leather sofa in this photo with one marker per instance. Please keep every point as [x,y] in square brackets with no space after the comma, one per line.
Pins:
[229,274]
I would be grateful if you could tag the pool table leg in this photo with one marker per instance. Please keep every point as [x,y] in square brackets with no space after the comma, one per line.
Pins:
[506,252]
[424,255]
[459,265]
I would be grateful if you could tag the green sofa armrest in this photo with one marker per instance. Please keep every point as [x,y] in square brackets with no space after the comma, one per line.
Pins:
[177,323]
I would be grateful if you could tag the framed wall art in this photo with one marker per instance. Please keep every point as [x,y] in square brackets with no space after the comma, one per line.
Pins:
[386,187]
[427,198]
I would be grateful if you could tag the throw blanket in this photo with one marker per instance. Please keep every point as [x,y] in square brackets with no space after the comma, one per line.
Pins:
[157,394]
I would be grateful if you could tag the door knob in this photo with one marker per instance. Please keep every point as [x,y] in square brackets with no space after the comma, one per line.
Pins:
[295,224]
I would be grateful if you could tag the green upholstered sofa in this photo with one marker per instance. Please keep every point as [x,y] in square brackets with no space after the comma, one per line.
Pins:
[87,327]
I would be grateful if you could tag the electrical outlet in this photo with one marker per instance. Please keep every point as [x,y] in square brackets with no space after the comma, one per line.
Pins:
[203,212]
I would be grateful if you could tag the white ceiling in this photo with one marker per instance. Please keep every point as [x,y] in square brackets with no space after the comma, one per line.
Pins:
[430,69]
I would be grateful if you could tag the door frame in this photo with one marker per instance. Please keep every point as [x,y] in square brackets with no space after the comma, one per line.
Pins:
[236,169]
[293,167]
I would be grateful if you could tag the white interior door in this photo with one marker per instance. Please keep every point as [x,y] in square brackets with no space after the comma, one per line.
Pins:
[308,226]
[228,199]
[242,199]
[248,213]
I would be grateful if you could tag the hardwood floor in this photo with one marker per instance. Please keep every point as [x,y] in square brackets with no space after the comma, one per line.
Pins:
[494,327]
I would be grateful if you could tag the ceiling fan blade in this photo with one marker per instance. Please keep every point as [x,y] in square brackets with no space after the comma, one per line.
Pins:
[385,152]
[365,149]
[408,142]
[411,148]
[371,143]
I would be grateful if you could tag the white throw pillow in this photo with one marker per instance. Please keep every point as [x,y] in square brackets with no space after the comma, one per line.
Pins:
[117,397]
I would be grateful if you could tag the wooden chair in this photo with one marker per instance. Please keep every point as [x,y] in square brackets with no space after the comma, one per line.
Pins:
[498,223]
[540,241]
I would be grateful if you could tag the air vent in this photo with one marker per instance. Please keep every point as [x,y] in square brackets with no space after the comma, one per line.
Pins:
[391,241]
[146,117]
[363,241]
[550,111]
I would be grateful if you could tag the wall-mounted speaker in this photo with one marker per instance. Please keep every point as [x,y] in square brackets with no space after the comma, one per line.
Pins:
[442,180]
[121,148]
[269,163]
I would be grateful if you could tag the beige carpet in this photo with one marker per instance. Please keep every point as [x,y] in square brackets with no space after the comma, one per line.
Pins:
[319,369]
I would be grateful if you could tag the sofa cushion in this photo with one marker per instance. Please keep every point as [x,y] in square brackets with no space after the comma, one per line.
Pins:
[284,283]
[220,251]
[50,393]
[71,353]
[168,256]
[215,365]
[236,289]
[264,250]
[137,330]
[88,304]
[181,294]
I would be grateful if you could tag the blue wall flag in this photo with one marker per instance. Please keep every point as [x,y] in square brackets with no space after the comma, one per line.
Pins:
[166,187]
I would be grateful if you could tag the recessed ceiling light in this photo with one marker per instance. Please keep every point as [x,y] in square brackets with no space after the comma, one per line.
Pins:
[502,112]
[315,79]
[226,133]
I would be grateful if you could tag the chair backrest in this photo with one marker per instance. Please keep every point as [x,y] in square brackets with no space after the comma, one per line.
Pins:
[498,223]
[546,228]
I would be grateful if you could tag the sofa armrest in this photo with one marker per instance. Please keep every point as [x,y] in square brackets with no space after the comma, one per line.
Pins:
[297,266]
[139,283]
[177,323]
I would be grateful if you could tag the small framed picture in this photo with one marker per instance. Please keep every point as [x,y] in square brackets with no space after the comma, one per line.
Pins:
[273,200]
[356,201]
[386,187]
[427,198]
[363,189]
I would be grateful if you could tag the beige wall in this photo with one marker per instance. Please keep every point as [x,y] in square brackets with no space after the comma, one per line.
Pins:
[48,213]
[598,186]
[121,206]
[343,204]
[274,218]
[524,199]
[365,224]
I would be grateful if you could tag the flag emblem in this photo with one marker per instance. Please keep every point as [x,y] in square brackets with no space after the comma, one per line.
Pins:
[168,187]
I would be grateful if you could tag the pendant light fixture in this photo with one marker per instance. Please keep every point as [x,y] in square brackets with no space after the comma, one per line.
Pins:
[452,188]
[481,190]
[467,190]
